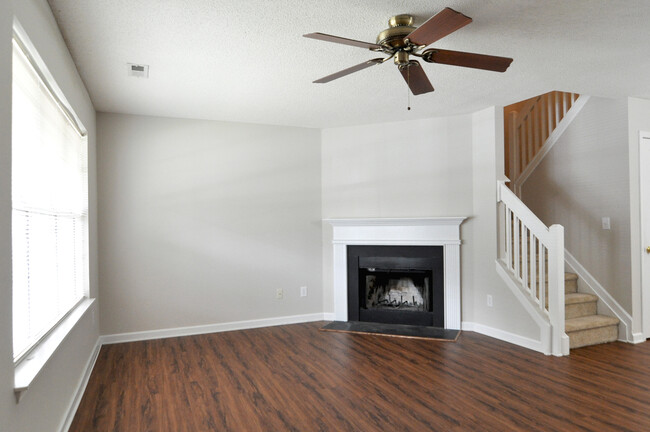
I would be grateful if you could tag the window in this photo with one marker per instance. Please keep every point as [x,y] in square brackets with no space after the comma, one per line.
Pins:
[50,204]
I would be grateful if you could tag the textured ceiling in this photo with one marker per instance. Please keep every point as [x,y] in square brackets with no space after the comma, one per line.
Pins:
[247,61]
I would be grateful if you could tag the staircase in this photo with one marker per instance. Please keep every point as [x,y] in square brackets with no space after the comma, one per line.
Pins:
[531,255]
[582,323]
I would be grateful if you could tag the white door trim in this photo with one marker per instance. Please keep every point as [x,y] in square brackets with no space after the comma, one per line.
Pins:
[644,215]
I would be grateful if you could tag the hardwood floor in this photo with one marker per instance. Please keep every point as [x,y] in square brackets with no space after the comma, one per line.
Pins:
[296,378]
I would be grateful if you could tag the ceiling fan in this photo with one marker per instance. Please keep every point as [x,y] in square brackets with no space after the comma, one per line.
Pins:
[401,40]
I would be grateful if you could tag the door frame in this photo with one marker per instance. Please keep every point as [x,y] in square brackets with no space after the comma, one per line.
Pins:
[644,214]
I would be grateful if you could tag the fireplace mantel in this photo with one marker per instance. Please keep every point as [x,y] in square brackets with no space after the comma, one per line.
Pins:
[430,231]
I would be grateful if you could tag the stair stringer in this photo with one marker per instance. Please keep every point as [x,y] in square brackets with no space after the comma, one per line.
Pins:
[550,142]
[606,303]
[543,321]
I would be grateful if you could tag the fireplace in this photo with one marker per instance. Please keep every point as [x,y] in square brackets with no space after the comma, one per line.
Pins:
[396,284]
[443,232]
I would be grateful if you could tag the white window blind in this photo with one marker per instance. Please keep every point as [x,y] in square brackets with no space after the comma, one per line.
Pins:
[50,206]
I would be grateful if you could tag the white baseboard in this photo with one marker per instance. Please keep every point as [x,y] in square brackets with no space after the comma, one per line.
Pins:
[209,328]
[566,345]
[81,387]
[505,336]
[638,338]
[604,297]
[329,316]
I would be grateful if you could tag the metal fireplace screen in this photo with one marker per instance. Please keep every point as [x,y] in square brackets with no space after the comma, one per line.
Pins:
[408,290]
[396,284]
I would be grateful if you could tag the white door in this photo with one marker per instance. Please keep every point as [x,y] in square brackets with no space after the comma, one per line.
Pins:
[644,178]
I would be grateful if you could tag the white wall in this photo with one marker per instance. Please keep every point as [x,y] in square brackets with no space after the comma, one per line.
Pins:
[584,178]
[434,167]
[44,406]
[403,169]
[201,221]
[638,121]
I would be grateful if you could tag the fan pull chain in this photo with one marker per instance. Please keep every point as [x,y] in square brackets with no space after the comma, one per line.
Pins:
[408,88]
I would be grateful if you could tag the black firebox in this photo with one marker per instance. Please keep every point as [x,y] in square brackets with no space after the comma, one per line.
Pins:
[396,285]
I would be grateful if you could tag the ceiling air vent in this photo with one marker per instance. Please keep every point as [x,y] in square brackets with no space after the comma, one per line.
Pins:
[137,70]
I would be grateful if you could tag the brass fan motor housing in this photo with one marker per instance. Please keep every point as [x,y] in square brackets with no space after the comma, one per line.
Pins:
[400,26]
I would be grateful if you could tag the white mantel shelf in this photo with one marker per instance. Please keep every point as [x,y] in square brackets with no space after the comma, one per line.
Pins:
[454,221]
[429,231]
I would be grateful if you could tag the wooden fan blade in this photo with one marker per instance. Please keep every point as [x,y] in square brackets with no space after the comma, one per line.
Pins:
[438,26]
[350,70]
[342,40]
[416,78]
[465,59]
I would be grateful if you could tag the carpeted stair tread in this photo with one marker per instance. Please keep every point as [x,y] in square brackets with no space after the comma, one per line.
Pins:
[589,322]
[574,298]
[579,305]
[577,298]
[567,277]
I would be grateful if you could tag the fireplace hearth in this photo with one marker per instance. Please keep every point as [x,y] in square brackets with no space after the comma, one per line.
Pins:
[396,284]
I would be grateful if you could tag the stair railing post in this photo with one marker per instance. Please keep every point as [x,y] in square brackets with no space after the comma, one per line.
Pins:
[556,287]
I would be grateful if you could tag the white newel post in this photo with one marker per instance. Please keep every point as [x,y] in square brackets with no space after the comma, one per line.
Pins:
[556,288]
[434,231]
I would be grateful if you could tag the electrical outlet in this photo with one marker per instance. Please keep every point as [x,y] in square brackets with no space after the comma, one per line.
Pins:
[279,294]
[606,223]
[303,291]
[489,301]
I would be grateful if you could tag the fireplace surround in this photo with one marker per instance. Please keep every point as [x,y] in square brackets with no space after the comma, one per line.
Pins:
[433,231]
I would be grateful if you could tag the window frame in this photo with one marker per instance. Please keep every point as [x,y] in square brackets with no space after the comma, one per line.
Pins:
[30,362]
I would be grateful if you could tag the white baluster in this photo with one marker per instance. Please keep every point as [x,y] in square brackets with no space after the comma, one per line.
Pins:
[524,255]
[533,267]
[516,246]
[509,237]
[542,276]
[556,286]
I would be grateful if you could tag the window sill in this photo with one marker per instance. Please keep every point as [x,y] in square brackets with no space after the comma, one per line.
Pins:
[28,369]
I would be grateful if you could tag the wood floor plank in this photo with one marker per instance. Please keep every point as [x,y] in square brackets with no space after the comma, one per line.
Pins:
[296,378]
